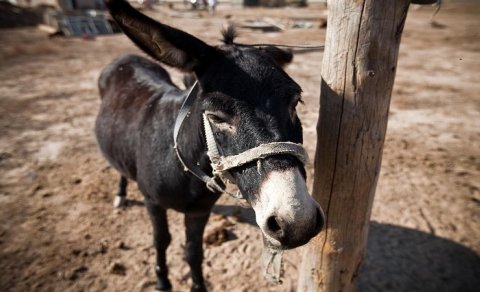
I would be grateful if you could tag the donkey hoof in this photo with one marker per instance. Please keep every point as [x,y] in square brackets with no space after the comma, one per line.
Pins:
[119,201]
[198,288]
[163,286]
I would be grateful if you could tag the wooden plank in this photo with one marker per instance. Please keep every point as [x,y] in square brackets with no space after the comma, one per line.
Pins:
[358,72]
[264,25]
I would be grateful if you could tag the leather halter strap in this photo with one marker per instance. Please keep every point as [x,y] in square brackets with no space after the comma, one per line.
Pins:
[184,113]
[222,164]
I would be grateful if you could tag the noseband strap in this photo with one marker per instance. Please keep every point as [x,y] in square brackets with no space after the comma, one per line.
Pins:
[222,164]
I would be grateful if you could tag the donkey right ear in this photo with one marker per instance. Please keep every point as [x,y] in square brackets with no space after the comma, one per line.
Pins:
[164,43]
[282,57]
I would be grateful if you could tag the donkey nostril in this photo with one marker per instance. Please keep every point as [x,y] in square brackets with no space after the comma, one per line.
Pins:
[272,224]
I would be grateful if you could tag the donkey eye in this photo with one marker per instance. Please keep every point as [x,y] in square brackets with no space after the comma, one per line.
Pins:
[221,121]
[217,117]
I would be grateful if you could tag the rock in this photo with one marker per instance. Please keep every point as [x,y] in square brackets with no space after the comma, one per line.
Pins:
[103,249]
[216,236]
[146,284]
[119,201]
[121,245]
[76,252]
[76,181]
[5,156]
[37,188]
[118,269]
[75,274]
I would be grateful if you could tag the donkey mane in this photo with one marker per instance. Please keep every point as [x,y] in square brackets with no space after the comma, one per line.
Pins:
[229,34]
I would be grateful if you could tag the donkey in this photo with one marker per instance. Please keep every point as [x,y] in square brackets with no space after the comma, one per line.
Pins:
[244,103]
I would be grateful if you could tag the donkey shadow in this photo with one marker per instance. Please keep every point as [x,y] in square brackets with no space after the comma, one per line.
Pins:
[402,259]
[133,203]
[245,215]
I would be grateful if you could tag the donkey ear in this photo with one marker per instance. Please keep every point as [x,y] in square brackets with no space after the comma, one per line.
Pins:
[164,43]
[282,57]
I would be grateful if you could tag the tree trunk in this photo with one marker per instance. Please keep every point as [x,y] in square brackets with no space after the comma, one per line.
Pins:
[359,64]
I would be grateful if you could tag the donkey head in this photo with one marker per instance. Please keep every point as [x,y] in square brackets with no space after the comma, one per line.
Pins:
[249,100]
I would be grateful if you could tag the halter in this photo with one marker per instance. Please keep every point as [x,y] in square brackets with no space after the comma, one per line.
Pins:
[222,164]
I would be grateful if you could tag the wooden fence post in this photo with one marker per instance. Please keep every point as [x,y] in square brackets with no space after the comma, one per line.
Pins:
[358,71]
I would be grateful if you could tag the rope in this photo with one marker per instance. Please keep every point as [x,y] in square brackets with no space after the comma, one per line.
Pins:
[260,152]
[310,47]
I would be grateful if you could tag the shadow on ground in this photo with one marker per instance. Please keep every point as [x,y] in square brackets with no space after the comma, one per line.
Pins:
[402,259]
[246,215]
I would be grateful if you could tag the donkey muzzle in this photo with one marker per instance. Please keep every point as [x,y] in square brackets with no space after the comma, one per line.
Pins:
[287,215]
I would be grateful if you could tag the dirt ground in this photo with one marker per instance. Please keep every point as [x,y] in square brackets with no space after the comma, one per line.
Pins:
[59,231]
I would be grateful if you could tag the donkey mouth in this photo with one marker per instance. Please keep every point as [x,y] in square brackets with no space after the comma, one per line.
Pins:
[286,245]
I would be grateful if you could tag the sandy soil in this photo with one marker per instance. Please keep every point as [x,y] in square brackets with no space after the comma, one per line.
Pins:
[59,232]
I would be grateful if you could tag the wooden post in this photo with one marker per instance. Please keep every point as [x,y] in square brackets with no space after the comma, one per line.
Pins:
[359,64]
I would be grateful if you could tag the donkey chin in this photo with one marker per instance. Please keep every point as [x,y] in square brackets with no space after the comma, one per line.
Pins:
[285,212]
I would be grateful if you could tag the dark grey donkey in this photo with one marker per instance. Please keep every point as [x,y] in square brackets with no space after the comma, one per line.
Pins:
[244,106]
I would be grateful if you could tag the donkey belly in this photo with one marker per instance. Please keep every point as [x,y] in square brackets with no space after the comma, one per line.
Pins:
[117,143]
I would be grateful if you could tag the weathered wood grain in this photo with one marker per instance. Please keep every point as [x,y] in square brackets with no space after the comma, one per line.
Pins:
[358,72]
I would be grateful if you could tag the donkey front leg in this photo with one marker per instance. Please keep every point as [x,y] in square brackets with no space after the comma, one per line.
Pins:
[195,225]
[161,240]
[121,197]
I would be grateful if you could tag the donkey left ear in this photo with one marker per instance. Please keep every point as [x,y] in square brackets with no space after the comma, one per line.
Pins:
[282,57]
[164,43]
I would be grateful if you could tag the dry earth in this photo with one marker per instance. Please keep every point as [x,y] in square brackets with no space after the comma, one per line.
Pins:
[59,232]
